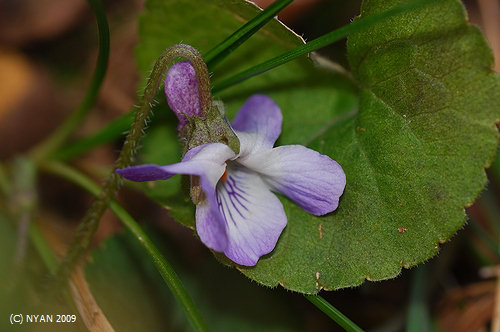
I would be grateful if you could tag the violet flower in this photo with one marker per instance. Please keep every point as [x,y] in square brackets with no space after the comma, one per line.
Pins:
[235,170]
[239,215]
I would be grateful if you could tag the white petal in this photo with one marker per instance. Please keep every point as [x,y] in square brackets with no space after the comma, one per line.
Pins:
[254,216]
[312,180]
[207,161]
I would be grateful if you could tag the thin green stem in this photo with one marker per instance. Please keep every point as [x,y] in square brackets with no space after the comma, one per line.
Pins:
[325,40]
[50,260]
[5,185]
[43,248]
[222,50]
[40,244]
[418,314]
[483,258]
[489,208]
[90,221]
[485,238]
[113,130]
[162,265]
[75,119]
[23,201]
[212,58]
[333,313]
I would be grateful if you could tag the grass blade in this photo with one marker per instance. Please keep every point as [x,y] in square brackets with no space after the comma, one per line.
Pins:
[74,120]
[221,51]
[162,265]
[333,313]
[317,43]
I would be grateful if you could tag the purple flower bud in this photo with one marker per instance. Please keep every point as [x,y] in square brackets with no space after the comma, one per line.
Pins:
[181,89]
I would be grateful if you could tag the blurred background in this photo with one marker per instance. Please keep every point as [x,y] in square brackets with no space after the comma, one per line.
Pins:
[48,50]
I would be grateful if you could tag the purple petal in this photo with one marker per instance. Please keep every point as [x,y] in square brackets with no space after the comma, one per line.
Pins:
[312,180]
[211,158]
[144,173]
[208,161]
[210,226]
[262,117]
[181,89]
[253,215]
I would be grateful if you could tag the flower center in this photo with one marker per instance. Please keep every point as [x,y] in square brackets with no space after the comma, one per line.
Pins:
[223,178]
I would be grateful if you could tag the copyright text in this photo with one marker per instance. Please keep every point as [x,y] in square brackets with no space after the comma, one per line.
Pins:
[20,319]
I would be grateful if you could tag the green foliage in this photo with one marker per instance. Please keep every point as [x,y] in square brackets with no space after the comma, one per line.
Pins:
[324,97]
[413,151]
[132,295]
[161,147]
[23,282]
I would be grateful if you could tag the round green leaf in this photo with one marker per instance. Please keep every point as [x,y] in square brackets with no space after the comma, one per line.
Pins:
[414,151]
[297,86]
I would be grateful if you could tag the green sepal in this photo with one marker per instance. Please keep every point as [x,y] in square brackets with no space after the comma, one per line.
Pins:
[214,128]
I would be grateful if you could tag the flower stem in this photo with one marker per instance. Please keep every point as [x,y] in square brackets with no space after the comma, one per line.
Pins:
[325,40]
[90,221]
[212,58]
[107,134]
[222,50]
[115,128]
[333,313]
[162,265]
[74,120]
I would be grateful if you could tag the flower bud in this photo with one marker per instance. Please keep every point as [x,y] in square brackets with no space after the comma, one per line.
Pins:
[182,92]
[199,123]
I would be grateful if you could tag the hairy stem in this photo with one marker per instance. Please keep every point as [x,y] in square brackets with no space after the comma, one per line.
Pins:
[90,221]
[212,58]
[162,265]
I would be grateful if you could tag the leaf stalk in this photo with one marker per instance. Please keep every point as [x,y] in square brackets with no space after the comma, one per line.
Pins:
[90,221]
